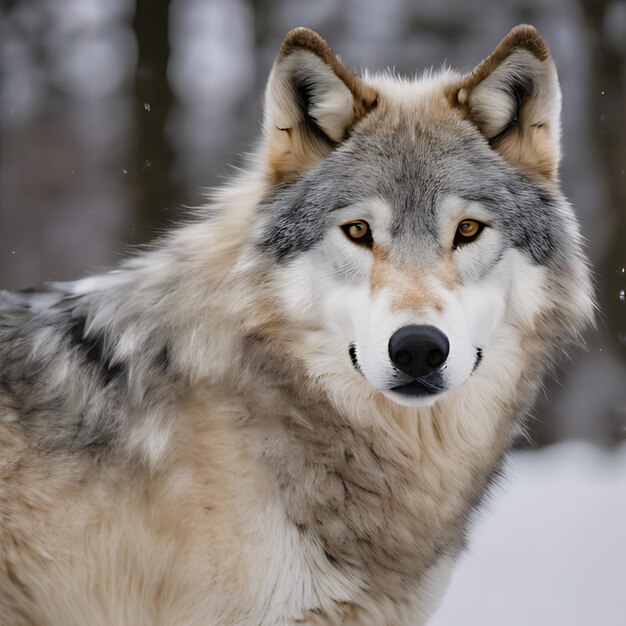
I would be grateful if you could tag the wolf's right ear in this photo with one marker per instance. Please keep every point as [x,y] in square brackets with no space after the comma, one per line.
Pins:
[311,102]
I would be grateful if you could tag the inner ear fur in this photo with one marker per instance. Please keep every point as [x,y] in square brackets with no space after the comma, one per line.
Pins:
[514,99]
[311,102]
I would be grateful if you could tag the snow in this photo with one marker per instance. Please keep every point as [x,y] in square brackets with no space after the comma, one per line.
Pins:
[549,549]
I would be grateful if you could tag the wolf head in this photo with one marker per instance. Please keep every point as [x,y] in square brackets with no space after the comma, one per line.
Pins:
[414,229]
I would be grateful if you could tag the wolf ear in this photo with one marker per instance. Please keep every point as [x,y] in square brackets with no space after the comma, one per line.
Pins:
[514,99]
[311,102]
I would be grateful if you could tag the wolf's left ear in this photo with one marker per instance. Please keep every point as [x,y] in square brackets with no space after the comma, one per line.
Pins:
[311,102]
[514,99]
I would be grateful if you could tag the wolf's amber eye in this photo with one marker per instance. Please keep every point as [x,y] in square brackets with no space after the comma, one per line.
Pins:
[466,232]
[358,231]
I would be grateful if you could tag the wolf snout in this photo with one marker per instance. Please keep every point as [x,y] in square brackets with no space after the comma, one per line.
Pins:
[418,350]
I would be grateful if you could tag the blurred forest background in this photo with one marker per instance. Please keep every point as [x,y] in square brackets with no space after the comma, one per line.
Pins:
[116,114]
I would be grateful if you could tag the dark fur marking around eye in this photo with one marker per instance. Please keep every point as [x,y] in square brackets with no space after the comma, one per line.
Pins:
[520,90]
[366,240]
[461,240]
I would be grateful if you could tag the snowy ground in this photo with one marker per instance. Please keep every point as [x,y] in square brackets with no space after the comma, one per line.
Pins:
[550,548]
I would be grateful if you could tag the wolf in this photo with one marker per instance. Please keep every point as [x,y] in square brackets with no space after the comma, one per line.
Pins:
[286,411]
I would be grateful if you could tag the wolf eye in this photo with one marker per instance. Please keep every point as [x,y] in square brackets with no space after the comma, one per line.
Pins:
[466,232]
[358,231]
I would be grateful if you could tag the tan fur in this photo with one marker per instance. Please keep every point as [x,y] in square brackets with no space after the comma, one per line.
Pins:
[412,290]
[535,151]
[156,548]
[448,273]
[141,549]
[187,533]
[294,151]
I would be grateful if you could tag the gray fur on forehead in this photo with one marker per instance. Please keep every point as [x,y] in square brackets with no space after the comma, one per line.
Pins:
[412,169]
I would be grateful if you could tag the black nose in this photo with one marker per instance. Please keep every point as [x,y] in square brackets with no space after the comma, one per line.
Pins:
[418,350]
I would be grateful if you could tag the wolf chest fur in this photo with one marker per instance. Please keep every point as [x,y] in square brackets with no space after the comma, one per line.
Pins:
[285,412]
